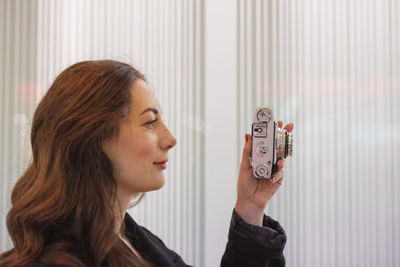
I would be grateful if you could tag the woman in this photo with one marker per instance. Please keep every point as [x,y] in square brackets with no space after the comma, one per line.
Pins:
[98,140]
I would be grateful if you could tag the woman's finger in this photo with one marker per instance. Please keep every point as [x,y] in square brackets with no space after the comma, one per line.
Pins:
[246,152]
[277,177]
[289,127]
[281,164]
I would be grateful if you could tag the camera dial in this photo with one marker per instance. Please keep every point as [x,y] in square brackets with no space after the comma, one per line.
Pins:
[264,115]
[263,148]
[262,170]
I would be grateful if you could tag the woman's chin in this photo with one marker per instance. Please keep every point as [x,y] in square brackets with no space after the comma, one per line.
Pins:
[158,183]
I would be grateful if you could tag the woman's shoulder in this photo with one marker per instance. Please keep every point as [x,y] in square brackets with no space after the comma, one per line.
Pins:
[150,245]
[137,233]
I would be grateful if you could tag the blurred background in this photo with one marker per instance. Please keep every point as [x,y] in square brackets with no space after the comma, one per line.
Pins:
[330,66]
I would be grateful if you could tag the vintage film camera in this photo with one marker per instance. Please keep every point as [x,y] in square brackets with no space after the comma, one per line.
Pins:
[270,143]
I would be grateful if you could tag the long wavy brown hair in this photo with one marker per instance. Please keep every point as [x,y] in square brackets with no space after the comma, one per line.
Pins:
[62,206]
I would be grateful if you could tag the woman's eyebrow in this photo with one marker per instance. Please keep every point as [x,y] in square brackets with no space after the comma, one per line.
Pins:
[155,111]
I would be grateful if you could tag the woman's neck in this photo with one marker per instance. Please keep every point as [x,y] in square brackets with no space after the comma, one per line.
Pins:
[120,206]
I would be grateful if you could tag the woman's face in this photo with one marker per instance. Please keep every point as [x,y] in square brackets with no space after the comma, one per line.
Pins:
[140,151]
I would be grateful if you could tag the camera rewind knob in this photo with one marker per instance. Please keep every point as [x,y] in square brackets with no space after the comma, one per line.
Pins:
[264,115]
[262,170]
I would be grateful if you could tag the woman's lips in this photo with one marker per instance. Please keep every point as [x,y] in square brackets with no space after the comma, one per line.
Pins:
[161,164]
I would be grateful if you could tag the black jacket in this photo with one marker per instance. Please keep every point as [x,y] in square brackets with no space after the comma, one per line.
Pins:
[247,246]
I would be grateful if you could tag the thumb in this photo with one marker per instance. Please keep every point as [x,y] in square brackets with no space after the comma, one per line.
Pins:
[247,152]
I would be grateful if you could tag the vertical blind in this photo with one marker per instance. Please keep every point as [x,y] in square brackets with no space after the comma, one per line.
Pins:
[18,36]
[163,39]
[333,68]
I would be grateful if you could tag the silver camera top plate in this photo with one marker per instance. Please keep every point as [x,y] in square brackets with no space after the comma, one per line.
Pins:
[263,149]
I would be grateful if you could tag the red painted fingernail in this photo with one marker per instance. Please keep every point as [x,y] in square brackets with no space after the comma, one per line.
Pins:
[247,137]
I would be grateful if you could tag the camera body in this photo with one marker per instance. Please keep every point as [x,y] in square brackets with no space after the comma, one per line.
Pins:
[270,143]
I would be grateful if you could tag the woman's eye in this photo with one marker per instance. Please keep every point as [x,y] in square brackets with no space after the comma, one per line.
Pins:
[151,123]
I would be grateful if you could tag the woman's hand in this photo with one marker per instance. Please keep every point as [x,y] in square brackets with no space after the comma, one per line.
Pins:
[253,194]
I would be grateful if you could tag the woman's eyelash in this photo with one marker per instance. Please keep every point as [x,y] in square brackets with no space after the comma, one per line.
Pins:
[151,122]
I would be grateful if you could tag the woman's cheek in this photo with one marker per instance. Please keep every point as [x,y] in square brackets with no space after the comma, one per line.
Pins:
[143,146]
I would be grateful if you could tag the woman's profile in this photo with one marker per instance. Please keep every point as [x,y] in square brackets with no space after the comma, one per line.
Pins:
[98,142]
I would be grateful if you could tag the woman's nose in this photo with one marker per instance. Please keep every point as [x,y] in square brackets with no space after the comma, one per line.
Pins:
[172,144]
[169,141]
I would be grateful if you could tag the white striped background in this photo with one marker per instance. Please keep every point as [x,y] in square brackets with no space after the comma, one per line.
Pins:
[163,39]
[331,67]
[18,43]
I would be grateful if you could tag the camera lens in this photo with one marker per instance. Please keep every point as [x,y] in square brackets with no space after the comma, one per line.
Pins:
[289,143]
[284,143]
